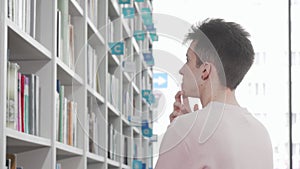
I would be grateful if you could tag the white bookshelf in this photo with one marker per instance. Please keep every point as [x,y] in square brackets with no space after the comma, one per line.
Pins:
[36,53]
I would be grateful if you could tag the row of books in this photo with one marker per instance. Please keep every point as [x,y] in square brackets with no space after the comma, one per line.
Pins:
[65,35]
[92,6]
[11,161]
[92,127]
[58,166]
[66,117]
[93,133]
[113,83]
[127,104]
[125,150]
[112,142]
[23,14]
[145,85]
[110,30]
[93,69]
[23,104]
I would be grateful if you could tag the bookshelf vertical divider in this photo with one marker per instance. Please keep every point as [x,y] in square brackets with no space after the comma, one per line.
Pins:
[3,69]
[78,75]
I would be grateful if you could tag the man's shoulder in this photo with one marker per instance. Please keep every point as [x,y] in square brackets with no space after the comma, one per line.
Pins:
[185,123]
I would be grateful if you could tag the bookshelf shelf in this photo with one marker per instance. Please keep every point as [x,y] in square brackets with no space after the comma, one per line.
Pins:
[137,7]
[135,45]
[113,61]
[23,46]
[66,75]
[75,8]
[126,29]
[127,78]
[81,97]
[93,92]
[135,89]
[94,158]
[113,9]
[124,166]
[94,35]
[150,5]
[18,142]
[113,163]
[112,111]
[66,151]
[125,122]
[136,130]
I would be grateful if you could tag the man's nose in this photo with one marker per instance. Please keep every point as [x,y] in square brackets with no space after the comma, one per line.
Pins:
[181,70]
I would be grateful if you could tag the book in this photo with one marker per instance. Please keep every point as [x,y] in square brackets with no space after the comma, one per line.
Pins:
[19,125]
[92,132]
[65,119]
[12,95]
[61,100]
[63,6]
[59,36]
[22,103]
[37,105]
[58,166]
[31,103]
[12,159]
[33,18]
[74,120]
[26,105]
[57,110]
[70,123]
[8,163]
[23,14]
[110,141]
[71,45]
[125,147]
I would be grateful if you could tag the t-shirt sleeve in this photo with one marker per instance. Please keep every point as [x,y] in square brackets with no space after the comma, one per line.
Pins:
[173,150]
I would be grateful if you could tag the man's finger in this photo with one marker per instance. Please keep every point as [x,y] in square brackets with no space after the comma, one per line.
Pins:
[196,107]
[178,96]
[186,104]
[177,106]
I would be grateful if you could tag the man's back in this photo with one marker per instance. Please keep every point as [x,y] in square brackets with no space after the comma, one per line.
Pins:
[216,137]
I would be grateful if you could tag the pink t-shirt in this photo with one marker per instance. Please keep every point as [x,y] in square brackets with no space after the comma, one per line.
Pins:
[220,136]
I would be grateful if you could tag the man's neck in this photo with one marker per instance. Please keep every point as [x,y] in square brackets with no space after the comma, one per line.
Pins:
[226,96]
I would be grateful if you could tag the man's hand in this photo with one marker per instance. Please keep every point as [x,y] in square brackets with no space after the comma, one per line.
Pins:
[181,107]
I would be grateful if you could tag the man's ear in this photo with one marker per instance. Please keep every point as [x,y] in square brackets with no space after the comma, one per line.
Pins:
[205,70]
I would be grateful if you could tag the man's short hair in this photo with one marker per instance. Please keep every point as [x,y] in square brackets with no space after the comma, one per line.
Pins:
[230,46]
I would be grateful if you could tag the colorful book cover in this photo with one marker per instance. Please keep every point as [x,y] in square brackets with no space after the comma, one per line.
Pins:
[22,103]
[19,103]
[26,105]
[31,103]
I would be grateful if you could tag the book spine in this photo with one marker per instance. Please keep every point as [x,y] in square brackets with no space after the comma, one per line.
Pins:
[63,6]
[37,105]
[74,123]
[32,18]
[26,104]
[12,95]
[71,45]
[23,103]
[61,99]
[59,36]
[70,123]
[57,95]
[65,120]
[31,114]
[19,103]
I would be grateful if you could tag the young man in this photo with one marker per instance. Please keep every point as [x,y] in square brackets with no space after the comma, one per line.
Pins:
[222,135]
